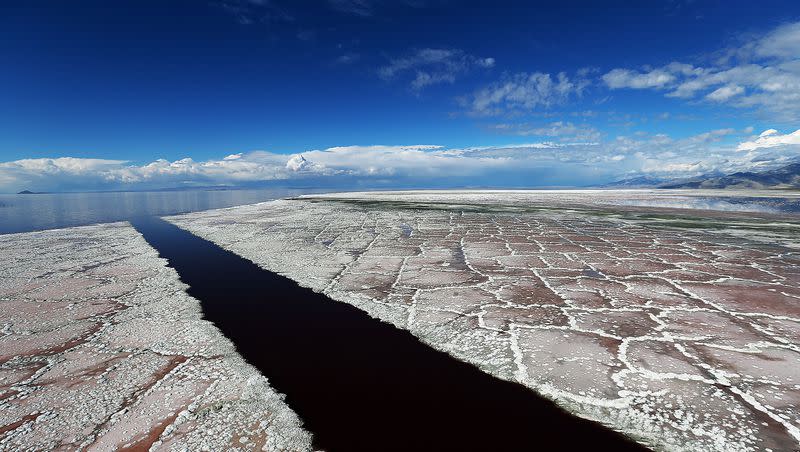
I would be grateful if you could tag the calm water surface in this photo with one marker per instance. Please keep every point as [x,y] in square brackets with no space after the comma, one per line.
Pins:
[771,205]
[22,213]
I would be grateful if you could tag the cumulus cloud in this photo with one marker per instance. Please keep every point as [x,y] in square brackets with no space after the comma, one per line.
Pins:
[624,78]
[770,139]
[353,163]
[67,173]
[399,161]
[557,161]
[762,74]
[526,92]
[638,154]
[715,151]
[433,66]
[67,165]
[46,174]
[725,93]
[297,163]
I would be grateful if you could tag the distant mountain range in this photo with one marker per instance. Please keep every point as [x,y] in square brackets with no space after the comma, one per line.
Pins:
[638,182]
[785,177]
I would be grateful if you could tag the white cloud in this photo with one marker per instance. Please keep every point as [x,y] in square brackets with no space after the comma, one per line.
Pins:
[675,169]
[565,131]
[644,153]
[725,93]
[378,162]
[624,78]
[722,150]
[762,75]
[67,172]
[525,91]
[485,62]
[424,79]
[782,42]
[297,163]
[399,161]
[711,136]
[67,165]
[433,66]
[770,139]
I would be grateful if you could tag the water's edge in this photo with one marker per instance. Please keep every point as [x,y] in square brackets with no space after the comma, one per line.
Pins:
[358,383]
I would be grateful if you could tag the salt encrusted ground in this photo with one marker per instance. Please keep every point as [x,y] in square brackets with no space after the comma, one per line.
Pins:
[101,349]
[679,329]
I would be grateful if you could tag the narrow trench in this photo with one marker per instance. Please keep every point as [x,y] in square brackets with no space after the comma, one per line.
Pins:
[357,383]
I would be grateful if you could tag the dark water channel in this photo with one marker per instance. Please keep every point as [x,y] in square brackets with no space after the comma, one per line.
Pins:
[360,384]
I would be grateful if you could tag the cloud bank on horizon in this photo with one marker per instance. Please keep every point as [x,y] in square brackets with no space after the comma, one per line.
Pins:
[730,108]
[531,165]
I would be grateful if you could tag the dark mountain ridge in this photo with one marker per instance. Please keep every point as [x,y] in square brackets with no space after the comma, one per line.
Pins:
[784,177]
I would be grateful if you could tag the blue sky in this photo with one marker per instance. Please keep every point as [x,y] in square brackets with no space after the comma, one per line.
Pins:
[99,94]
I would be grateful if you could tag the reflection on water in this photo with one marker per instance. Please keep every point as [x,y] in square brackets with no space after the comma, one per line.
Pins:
[727,204]
[20,213]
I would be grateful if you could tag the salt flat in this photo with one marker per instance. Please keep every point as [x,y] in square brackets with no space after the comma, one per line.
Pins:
[101,349]
[678,327]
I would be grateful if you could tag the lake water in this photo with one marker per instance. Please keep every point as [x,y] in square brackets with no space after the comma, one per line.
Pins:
[772,205]
[22,213]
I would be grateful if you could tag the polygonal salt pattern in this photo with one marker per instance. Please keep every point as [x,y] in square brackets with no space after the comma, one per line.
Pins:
[685,338]
[102,349]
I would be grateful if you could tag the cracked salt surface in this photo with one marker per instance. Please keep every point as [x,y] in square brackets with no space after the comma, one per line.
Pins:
[101,349]
[678,328]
